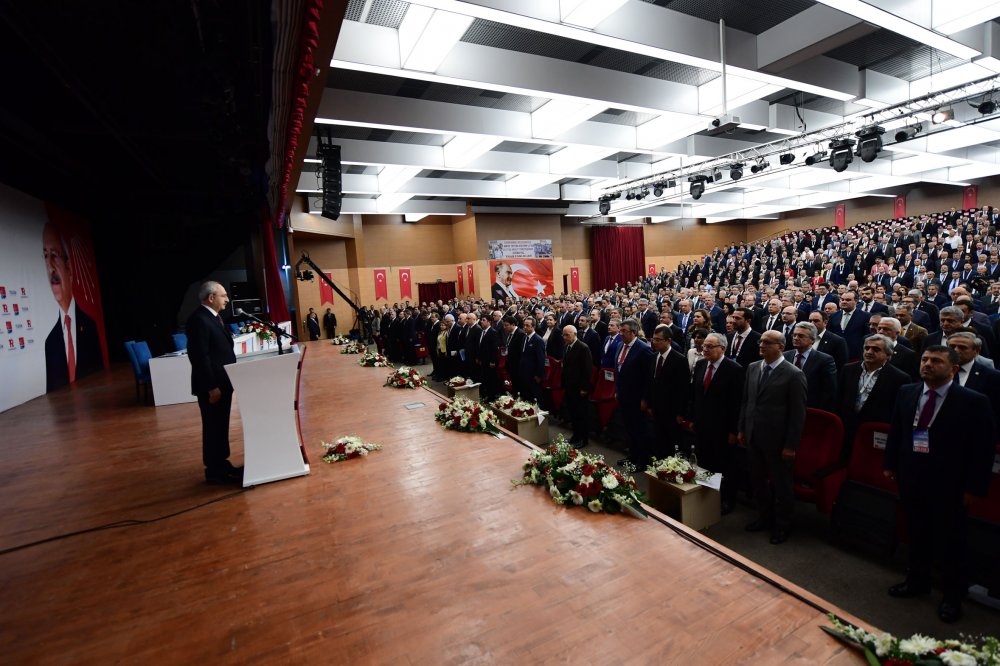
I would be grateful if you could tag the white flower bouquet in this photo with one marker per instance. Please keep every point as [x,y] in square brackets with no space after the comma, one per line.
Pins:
[347,448]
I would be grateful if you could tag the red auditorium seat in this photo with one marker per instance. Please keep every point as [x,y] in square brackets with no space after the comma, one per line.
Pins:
[553,383]
[421,347]
[818,458]
[603,397]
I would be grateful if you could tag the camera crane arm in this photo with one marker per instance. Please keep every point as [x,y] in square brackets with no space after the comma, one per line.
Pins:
[308,275]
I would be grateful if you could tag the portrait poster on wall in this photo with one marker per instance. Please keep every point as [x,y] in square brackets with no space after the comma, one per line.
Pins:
[521,268]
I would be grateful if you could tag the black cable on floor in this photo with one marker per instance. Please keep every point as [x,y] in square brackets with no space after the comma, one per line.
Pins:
[123,523]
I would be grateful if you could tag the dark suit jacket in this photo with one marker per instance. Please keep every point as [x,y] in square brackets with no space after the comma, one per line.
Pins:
[835,346]
[718,316]
[514,349]
[985,380]
[714,412]
[667,394]
[532,362]
[472,344]
[593,341]
[821,379]
[210,347]
[609,351]
[497,292]
[88,351]
[878,406]
[775,412]
[554,345]
[648,322]
[633,375]
[576,369]
[489,343]
[907,361]
[857,329]
[961,444]
[749,350]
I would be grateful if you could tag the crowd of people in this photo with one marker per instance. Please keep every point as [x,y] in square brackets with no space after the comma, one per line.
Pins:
[887,321]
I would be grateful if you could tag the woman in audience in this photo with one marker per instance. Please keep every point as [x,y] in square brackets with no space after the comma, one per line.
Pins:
[695,354]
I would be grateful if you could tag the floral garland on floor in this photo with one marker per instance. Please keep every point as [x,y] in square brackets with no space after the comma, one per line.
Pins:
[677,470]
[405,378]
[376,360]
[263,333]
[458,382]
[354,348]
[340,340]
[575,478]
[348,448]
[466,415]
[519,409]
[887,650]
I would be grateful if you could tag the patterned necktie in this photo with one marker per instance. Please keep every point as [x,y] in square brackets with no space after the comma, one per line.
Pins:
[927,413]
[70,351]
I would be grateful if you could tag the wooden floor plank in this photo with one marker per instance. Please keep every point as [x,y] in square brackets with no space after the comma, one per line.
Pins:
[422,553]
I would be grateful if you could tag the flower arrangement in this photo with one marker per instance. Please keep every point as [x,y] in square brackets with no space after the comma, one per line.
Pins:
[456,382]
[376,360]
[888,650]
[676,469]
[347,448]
[466,416]
[354,348]
[263,333]
[405,378]
[340,340]
[519,409]
[575,478]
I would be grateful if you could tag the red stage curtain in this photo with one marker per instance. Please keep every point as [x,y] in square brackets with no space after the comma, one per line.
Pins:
[432,292]
[277,307]
[618,254]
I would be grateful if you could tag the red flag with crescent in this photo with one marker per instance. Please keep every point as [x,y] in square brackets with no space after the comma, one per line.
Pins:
[405,288]
[574,278]
[970,197]
[899,207]
[461,280]
[325,292]
[381,288]
[652,269]
[471,276]
[840,217]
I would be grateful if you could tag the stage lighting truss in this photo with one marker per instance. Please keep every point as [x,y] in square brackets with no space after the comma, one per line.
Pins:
[760,166]
[908,133]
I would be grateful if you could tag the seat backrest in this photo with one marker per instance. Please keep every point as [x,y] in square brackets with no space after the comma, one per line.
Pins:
[867,456]
[130,350]
[604,388]
[820,444]
[142,355]
[988,508]
[553,372]
[180,341]
[235,328]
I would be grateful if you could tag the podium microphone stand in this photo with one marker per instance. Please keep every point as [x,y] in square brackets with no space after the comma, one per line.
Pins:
[271,326]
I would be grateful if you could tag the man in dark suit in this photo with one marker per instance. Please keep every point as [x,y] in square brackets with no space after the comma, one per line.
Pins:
[850,323]
[611,345]
[531,367]
[940,450]
[632,374]
[453,367]
[73,347]
[772,415]
[972,373]
[716,314]
[717,387]
[666,392]
[210,348]
[589,337]
[649,319]
[770,320]
[489,345]
[868,303]
[472,369]
[501,289]
[827,342]
[511,348]
[819,368]
[599,326]
[577,366]
[744,345]
[823,297]
[867,389]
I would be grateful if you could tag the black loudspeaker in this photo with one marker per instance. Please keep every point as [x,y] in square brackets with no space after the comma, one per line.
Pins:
[241,290]
[333,181]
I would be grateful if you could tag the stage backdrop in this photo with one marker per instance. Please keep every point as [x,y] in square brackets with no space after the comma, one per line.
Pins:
[525,266]
[47,271]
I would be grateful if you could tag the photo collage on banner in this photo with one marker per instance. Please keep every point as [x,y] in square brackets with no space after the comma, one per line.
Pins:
[521,268]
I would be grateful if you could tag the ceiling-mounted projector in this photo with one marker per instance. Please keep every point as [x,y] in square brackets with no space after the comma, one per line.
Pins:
[723,125]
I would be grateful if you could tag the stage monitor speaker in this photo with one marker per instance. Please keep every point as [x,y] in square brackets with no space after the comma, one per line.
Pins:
[333,181]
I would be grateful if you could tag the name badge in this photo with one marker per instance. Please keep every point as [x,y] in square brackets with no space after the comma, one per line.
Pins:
[921,441]
[546,361]
[609,376]
[503,351]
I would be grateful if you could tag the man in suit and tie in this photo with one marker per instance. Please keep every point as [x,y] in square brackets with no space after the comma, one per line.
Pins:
[903,357]
[599,326]
[744,345]
[531,366]
[867,389]
[827,342]
[850,323]
[823,296]
[577,365]
[772,415]
[632,366]
[210,349]
[684,315]
[912,331]
[716,314]
[501,289]
[716,388]
[472,339]
[972,373]
[666,392]
[869,304]
[940,451]
[586,335]
[73,347]
[819,368]
[788,315]
[489,348]
[649,318]
[511,348]
[609,348]
[771,320]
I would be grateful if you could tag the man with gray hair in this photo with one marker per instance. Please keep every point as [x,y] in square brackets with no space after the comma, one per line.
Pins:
[819,368]
[973,372]
[903,357]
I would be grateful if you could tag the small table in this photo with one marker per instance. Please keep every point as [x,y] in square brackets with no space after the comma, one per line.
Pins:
[470,391]
[694,505]
[526,427]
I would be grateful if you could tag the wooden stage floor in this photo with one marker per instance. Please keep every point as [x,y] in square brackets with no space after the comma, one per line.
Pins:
[422,553]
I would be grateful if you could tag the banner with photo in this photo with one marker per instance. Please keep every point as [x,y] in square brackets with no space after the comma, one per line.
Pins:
[51,317]
[520,249]
[521,268]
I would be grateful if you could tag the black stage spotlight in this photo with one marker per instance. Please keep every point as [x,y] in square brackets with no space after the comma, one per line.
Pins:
[717,176]
[760,166]
[658,189]
[604,206]
[642,195]
[671,184]
[908,133]
[841,154]
[942,115]
[787,158]
[986,108]
[630,195]
[736,171]
[818,156]
[869,142]
[697,189]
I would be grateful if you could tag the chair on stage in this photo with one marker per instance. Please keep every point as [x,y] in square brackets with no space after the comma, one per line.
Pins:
[138,354]
[603,397]
[866,509]
[235,328]
[984,535]
[180,341]
[818,458]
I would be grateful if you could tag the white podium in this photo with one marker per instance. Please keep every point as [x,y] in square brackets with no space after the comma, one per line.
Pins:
[267,388]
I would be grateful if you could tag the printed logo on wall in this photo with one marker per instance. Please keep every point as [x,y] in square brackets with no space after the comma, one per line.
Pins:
[20,341]
[5,310]
[28,322]
[10,326]
[10,342]
[17,310]
[24,292]
[3,292]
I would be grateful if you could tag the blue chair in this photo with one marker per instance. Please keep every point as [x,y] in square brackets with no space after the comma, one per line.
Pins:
[139,355]
[235,329]
[180,341]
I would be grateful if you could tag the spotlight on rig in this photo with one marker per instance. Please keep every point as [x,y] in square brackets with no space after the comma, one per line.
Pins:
[942,115]
[841,154]
[816,157]
[658,189]
[604,205]
[736,170]
[869,142]
[986,107]
[908,133]
[760,166]
[697,186]
[787,159]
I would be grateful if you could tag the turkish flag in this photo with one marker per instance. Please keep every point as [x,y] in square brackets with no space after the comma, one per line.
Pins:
[472,281]
[325,291]
[461,278]
[574,279]
[840,217]
[405,289]
[899,207]
[652,269]
[970,197]
[381,288]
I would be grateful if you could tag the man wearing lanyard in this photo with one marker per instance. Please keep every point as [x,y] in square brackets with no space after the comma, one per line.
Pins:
[940,450]
[632,367]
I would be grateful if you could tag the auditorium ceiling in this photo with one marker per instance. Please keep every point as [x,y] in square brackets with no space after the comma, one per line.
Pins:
[549,104]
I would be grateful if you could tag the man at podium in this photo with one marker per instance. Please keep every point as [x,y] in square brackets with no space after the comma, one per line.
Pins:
[210,348]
